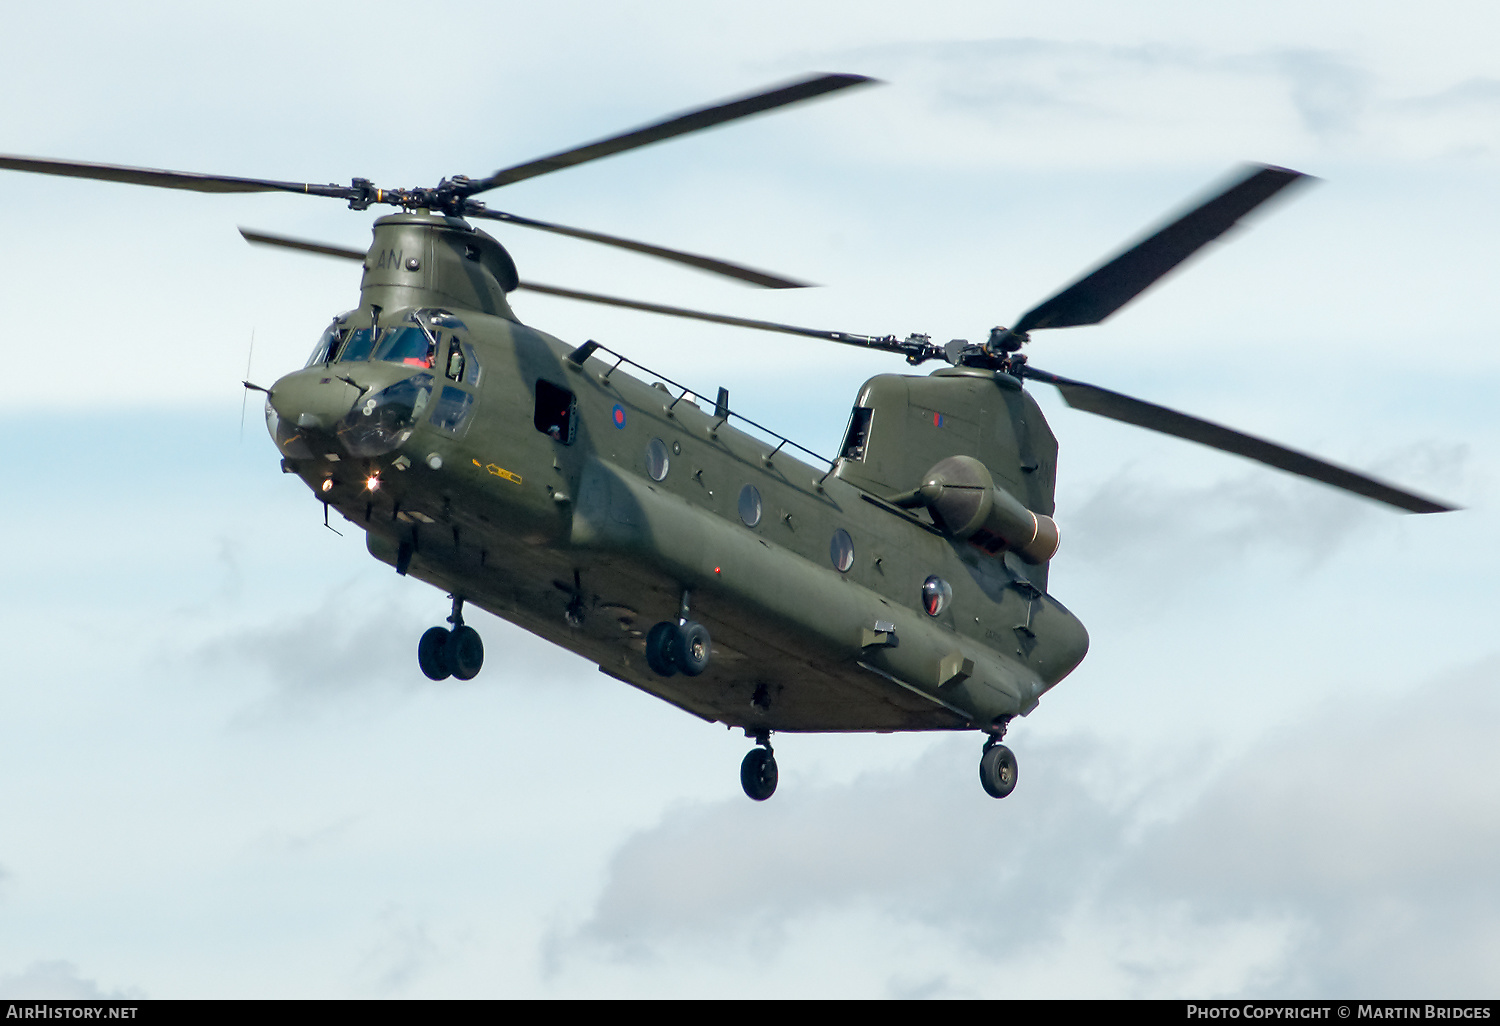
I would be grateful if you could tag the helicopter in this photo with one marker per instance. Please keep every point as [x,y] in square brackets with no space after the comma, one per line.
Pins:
[683,548]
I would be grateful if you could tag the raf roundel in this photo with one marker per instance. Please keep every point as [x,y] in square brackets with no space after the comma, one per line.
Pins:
[619,416]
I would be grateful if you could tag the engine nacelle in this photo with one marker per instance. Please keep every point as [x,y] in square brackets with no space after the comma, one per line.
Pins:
[964,500]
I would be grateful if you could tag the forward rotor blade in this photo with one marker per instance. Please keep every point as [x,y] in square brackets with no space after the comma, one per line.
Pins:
[189,180]
[697,315]
[888,343]
[706,263]
[714,266]
[1116,406]
[1103,291]
[692,121]
[306,245]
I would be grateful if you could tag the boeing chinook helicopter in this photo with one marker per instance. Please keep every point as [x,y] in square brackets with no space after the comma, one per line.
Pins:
[688,551]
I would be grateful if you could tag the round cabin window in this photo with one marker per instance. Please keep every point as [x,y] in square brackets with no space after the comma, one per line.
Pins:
[841,550]
[750,505]
[936,594]
[657,462]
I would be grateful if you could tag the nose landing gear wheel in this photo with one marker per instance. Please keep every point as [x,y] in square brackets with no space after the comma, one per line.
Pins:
[997,771]
[444,653]
[758,774]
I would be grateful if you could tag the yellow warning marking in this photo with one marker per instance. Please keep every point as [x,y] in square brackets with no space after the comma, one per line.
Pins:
[502,472]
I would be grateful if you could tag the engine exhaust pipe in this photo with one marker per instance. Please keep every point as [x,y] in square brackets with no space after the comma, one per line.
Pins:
[961,494]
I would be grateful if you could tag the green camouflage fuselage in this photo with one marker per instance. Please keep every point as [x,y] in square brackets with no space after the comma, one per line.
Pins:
[520,480]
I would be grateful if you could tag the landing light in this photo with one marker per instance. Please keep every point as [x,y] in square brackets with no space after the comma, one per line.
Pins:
[327,484]
[373,482]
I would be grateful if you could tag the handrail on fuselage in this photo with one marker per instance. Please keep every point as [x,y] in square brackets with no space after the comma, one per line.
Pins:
[590,347]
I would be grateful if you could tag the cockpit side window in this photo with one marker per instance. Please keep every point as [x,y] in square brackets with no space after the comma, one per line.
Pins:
[455,368]
[327,347]
[463,364]
[452,409]
[556,412]
[471,365]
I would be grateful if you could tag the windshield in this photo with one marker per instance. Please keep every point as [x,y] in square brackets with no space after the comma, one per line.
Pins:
[358,346]
[327,346]
[409,345]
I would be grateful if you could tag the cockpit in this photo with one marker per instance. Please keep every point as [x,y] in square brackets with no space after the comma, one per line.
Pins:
[417,343]
[445,369]
[410,344]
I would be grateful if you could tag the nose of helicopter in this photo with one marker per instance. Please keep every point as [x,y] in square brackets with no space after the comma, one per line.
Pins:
[361,411]
[314,399]
[304,408]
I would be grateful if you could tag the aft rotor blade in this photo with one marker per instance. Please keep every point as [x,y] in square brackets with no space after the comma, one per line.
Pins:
[1116,406]
[692,121]
[765,279]
[306,245]
[189,180]
[1103,291]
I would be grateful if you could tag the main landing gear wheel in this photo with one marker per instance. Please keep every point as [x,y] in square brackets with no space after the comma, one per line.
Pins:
[678,648]
[444,653]
[464,652]
[661,649]
[997,770]
[432,653]
[693,648]
[758,773]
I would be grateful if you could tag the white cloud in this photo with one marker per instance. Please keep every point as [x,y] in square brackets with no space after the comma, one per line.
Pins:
[401,953]
[1038,102]
[58,980]
[1353,854]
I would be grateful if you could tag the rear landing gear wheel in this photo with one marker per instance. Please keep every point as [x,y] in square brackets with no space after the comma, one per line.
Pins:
[432,653]
[464,652]
[997,770]
[758,774]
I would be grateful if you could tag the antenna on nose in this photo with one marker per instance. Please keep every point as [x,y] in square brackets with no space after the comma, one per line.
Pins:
[245,398]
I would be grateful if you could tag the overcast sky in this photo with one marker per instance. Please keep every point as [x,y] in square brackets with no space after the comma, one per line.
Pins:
[222,774]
